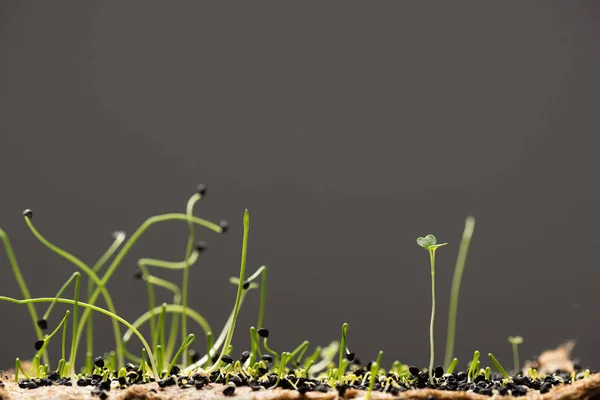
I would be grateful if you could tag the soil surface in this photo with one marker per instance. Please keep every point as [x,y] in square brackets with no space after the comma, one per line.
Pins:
[587,389]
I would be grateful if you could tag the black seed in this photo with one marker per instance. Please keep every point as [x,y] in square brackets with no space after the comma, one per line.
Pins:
[201,189]
[28,213]
[122,381]
[267,358]
[201,246]
[254,385]
[245,355]
[224,226]
[138,274]
[227,359]
[175,370]
[39,344]
[31,385]
[246,285]
[99,362]
[350,357]
[414,371]
[194,356]
[42,324]
[199,384]
[263,332]
[323,388]
[439,372]
[103,395]
[229,391]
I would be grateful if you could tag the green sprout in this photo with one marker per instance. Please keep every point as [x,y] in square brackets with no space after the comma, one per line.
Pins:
[498,366]
[429,243]
[456,281]
[515,341]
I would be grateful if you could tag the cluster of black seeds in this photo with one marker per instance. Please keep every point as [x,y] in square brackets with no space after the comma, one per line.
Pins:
[415,378]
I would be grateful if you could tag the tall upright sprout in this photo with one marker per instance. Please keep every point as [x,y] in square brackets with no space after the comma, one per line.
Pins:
[456,280]
[429,243]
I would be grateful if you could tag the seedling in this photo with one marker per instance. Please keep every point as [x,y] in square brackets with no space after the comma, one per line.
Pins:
[515,341]
[430,244]
[166,355]
[456,280]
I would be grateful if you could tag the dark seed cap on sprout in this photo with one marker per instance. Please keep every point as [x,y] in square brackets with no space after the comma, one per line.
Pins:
[138,274]
[227,359]
[350,356]
[439,372]
[263,332]
[201,189]
[201,246]
[224,225]
[28,213]
[267,358]
[99,362]
[245,285]
[39,344]
[42,324]
[414,371]
[245,355]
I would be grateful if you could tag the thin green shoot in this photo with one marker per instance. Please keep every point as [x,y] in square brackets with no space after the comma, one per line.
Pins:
[46,340]
[374,368]
[19,368]
[472,371]
[498,366]
[182,350]
[430,244]
[91,274]
[117,260]
[456,281]
[118,237]
[515,341]
[343,350]
[186,272]
[92,308]
[239,293]
[12,260]
[452,366]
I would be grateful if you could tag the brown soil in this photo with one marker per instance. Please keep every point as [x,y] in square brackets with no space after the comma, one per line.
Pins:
[587,389]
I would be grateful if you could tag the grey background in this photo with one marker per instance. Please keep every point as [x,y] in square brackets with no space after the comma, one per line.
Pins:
[346,129]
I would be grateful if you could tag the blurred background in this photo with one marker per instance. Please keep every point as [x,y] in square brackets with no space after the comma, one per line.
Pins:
[347,130]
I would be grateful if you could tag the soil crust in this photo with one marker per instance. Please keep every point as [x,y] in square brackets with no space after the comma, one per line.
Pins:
[586,389]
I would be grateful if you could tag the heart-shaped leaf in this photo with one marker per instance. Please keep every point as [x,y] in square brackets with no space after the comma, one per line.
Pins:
[427,241]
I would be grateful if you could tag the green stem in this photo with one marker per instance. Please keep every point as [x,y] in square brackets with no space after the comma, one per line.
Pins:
[263,295]
[240,290]
[186,272]
[456,281]
[12,260]
[90,307]
[517,365]
[182,350]
[125,249]
[119,237]
[431,345]
[92,275]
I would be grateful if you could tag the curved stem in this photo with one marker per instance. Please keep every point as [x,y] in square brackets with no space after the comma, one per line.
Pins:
[93,276]
[12,260]
[128,245]
[169,308]
[91,307]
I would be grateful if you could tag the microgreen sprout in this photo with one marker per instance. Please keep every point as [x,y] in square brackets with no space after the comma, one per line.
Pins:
[498,366]
[374,368]
[473,369]
[515,341]
[430,244]
[452,366]
[456,281]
